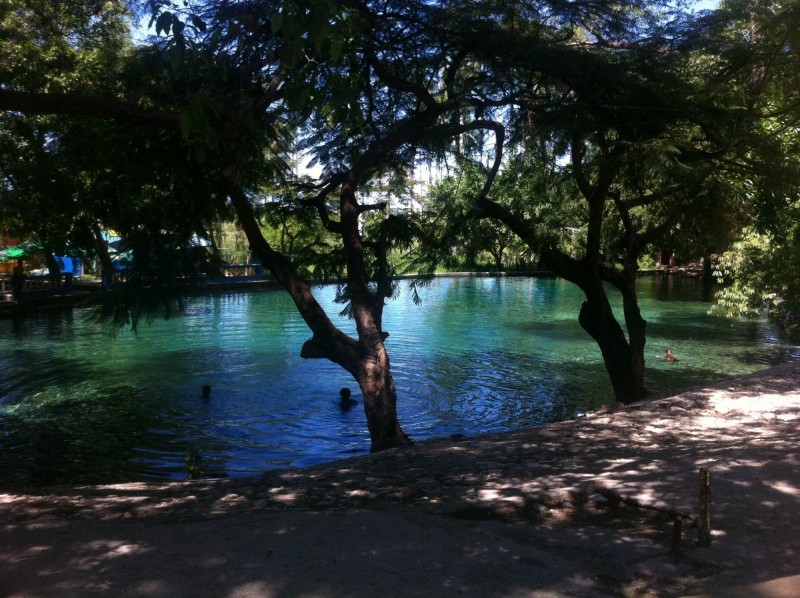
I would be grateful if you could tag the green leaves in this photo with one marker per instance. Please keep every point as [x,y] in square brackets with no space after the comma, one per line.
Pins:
[169,21]
[277,23]
[164,22]
[748,270]
[198,23]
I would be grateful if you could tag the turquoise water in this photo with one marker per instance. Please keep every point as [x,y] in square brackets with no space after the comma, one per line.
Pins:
[78,404]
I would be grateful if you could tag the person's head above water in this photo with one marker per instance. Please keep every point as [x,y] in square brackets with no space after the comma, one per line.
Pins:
[345,402]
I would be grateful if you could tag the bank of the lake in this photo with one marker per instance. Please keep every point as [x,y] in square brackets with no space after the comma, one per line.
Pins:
[584,507]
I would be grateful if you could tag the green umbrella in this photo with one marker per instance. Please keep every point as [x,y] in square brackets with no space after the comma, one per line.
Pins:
[21,251]
[31,247]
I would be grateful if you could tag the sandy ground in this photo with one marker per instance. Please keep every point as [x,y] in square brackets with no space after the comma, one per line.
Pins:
[580,508]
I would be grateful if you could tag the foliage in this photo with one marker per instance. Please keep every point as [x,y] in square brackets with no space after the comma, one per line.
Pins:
[759,272]
[231,242]
[746,268]
[455,238]
[295,231]
[760,268]
[53,47]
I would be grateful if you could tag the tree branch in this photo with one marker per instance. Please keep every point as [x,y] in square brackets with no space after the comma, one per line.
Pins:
[74,105]
[499,132]
[375,207]
[651,198]
[327,340]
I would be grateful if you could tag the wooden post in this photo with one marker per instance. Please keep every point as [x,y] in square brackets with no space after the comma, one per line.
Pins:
[704,517]
[675,545]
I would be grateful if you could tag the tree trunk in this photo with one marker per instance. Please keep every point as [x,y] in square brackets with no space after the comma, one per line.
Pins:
[374,372]
[624,361]
[374,376]
[598,320]
[637,336]
[623,356]
[498,260]
[106,264]
[53,269]
[708,269]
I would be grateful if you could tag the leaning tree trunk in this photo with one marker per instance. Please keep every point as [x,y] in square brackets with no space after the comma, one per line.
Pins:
[374,374]
[624,361]
[637,334]
[623,369]
[623,356]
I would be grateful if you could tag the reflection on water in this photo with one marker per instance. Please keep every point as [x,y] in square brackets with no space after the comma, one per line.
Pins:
[80,405]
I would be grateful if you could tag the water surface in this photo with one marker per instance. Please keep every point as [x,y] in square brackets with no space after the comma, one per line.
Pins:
[80,405]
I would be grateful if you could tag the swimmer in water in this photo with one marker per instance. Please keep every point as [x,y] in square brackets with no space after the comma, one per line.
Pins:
[670,356]
[345,402]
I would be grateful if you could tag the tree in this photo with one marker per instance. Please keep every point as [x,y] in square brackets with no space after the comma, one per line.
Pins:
[631,121]
[225,98]
[760,268]
[646,124]
[51,46]
[649,125]
[454,238]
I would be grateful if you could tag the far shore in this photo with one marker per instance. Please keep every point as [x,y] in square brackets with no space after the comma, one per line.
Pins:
[89,292]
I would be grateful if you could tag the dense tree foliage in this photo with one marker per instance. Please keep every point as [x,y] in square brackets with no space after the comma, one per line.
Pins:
[456,239]
[53,47]
[760,268]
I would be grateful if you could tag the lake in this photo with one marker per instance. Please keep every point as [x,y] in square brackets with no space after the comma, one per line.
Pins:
[80,405]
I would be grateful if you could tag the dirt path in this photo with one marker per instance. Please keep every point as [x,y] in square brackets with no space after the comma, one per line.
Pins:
[579,508]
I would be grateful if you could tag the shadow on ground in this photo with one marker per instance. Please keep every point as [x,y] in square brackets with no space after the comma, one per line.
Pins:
[579,508]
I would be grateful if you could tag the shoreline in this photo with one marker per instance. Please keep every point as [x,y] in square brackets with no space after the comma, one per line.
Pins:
[542,506]
[670,402]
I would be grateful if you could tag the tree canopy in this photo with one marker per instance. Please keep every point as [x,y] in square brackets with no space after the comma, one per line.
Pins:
[587,132]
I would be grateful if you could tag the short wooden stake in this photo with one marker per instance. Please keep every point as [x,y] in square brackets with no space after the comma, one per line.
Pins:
[704,518]
[677,532]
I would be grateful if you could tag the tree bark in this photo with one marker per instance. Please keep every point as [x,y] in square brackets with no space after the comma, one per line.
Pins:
[637,337]
[625,283]
[374,377]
